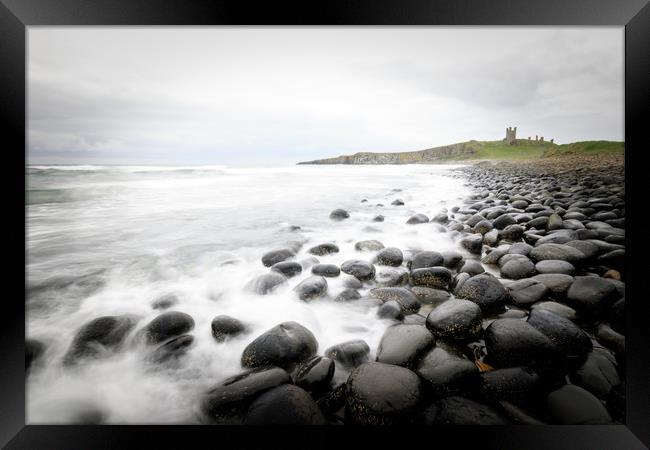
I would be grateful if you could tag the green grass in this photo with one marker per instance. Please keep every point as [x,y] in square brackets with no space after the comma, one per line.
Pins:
[588,148]
[524,149]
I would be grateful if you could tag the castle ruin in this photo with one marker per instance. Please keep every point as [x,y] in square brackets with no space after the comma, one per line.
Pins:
[511,135]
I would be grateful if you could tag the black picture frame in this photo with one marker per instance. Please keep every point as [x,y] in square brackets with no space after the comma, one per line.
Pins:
[16,15]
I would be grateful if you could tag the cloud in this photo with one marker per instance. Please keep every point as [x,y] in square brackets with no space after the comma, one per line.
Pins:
[275,95]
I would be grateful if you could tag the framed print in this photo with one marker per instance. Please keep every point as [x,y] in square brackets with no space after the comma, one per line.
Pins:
[343,220]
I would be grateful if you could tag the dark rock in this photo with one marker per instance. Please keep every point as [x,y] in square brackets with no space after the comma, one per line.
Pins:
[390,310]
[397,202]
[557,308]
[390,256]
[164,302]
[473,243]
[347,294]
[598,375]
[224,327]
[324,249]
[512,233]
[352,282]
[99,336]
[227,401]
[554,222]
[284,345]
[451,259]
[315,375]
[167,325]
[34,349]
[513,342]
[483,226]
[430,296]
[339,214]
[472,267]
[557,251]
[267,283]
[446,372]
[462,411]
[276,256]
[435,277]
[418,219]
[391,276]
[287,268]
[326,270]
[362,270]
[284,405]
[402,345]
[591,295]
[572,405]
[382,394]
[378,218]
[503,221]
[455,319]
[527,291]
[426,259]
[513,384]
[406,299]
[311,288]
[571,340]
[486,291]
[610,338]
[349,354]
[518,269]
[440,218]
[558,284]
[369,246]
[172,349]
[520,248]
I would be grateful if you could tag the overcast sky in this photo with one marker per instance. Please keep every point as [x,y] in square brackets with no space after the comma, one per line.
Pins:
[276,95]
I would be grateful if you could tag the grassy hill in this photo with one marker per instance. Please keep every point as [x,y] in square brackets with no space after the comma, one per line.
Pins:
[521,150]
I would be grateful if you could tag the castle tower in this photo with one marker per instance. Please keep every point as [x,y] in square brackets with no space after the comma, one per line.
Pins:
[511,135]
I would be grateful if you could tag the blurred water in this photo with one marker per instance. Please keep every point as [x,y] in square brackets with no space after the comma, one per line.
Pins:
[108,240]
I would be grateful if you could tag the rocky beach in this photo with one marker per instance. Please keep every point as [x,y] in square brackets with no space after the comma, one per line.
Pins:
[519,318]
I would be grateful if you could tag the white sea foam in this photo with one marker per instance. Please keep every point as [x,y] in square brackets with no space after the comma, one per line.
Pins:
[199,232]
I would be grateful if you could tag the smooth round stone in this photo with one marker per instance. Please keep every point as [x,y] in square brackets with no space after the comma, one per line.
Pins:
[351,282]
[494,256]
[326,270]
[100,336]
[390,310]
[378,218]
[315,375]
[430,296]
[520,248]
[555,266]
[571,340]
[382,394]
[512,233]
[484,290]
[503,221]
[527,291]
[349,354]
[324,249]
[368,246]
[362,270]
[339,214]
[284,345]
[598,375]
[572,405]
[511,257]
[164,302]
[483,227]
[426,259]
[284,405]
[434,277]
[513,384]
[224,327]
[491,237]
[267,283]
[397,202]
[473,243]
[287,268]
[472,267]
[455,319]
[451,259]
[167,325]
[392,276]
[276,256]
[554,222]
[557,308]
[456,410]
[390,256]
[591,295]
[402,344]
[446,372]
[227,401]
[557,237]
[406,299]
[418,219]
[610,338]
[558,284]
[172,349]
[347,295]
[538,222]
[514,343]
[518,269]
[440,218]
[311,288]
[557,251]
